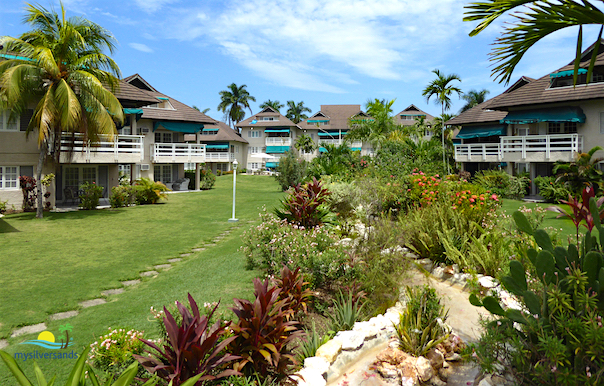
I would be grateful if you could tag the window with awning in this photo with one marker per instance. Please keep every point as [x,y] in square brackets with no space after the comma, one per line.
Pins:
[181,127]
[554,114]
[333,134]
[272,164]
[276,130]
[277,149]
[217,146]
[467,132]
[561,74]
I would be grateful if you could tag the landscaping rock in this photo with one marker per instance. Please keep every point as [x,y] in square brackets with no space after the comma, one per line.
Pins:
[453,357]
[164,267]
[426,264]
[197,249]
[424,369]
[394,356]
[387,370]
[32,329]
[436,358]
[409,381]
[439,273]
[487,282]
[63,315]
[366,328]
[3,344]
[115,291]
[175,260]
[149,273]
[409,371]
[185,254]
[308,377]
[351,340]
[318,364]
[129,283]
[411,255]
[92,302]
[330,350]
[209,245]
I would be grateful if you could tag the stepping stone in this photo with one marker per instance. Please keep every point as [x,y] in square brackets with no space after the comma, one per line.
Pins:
[176,260]
[185,254]
[165,267]
[198,249]
[210,244]
[92,302]
[129,283]
[114,291]
[63,315]
[3,344]
[32,329]
[149,273]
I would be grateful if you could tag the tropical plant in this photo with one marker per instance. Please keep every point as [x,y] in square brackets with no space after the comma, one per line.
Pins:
[122,195]
[60,64]
[192,348]
[294,290]
[377,127]
[421,325]
[295,111]
[534,20]
[442,89]
[306,205]
[149,191]
[275,105]
[502,183]
[347,310]
[290,171]
[263,333]
[233,103]
[28,188]
[334,160]
[113,352]
[311,342]
[582,172]
[3,206]
[551,189]
[473,98]
[305,143]
[580,209]
[90,196]
[207,179]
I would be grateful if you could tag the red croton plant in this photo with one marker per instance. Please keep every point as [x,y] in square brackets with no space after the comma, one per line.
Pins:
[580,209]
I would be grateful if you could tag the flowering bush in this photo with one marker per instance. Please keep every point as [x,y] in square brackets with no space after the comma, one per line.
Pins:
[275,243]
[112,352]
[91,194]
[122,195]
[28,187]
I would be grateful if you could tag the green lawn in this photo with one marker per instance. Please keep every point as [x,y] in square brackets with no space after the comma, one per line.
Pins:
[550,220]
[51,265]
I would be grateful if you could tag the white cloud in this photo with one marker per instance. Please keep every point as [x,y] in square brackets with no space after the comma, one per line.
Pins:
[141,47]
[151,6]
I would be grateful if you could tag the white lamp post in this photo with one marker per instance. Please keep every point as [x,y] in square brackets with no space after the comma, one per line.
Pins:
[235,164]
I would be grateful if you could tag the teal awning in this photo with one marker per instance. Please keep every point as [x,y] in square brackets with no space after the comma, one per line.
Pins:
[317,120]
[163,98]
[217,146]
[334,134]
[554,114]
[481,131]
[272,164]
[181,127]
[322,150]
[277,149]
[355,148]
[276,130]
[567,73]
[210,129]
[133,111]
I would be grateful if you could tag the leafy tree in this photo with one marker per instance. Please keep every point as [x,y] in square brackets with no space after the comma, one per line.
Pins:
[290,171]
[276,105]
[534,20]
[581,173]
[473,98]
[442,89]
[295,111]
[60,64]
[305,143]
[233,102]
[375,129]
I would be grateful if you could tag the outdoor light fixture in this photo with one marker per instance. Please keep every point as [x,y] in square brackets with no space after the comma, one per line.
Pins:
[235,164]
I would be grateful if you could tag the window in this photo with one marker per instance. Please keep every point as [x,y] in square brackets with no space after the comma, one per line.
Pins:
[125,171]
[126,130]
[269,119]
[253,149]
[232,148]
[162,173]
[553,128]
[253,165]
[165,137]
[564,127]
[9,177]
[253,134]
[74,176]
[209,132]
[6,124]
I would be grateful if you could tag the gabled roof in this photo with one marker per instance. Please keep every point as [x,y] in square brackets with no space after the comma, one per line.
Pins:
[282,121]
[269,109]
[338,116]
[539,92]
[319,114]
[225,133]
[130,96]
[181,112]
[411,110]
[138,81]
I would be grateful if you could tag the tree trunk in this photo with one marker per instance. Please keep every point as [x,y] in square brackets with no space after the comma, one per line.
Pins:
[40,206]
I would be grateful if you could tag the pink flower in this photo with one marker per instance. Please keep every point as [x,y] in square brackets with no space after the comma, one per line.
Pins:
[472,199]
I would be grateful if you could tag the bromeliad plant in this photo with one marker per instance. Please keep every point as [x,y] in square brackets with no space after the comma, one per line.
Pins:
[192,348]
[559,328]
[306,205]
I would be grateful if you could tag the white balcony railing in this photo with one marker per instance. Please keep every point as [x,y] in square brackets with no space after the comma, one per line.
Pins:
[123,148]
[478,151]
[338,142]
[278,141]
[219,157]
[178,152]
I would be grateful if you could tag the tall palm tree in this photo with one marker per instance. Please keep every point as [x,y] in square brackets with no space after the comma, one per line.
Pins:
[534,21]
[473,98]
[441,88]
[233,103]
[305,143]
[61,66]
[295,111]
[377,128]
[275,105]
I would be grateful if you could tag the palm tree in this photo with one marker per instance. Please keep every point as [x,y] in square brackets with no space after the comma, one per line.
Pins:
[60,65]
[441,88]
[295,111]
[275,105]
[204,111]
[582,172]
[537,20]
[473,98]
[233,102]
[377,128]
[65,328]
[305,143]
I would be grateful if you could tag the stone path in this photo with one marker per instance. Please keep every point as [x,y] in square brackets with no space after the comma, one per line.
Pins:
[36,328]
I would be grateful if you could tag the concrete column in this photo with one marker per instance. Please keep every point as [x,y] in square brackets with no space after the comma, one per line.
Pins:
[197,166]
[133,124]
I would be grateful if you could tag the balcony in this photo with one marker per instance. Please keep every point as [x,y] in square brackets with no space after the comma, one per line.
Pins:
[122,149]
[178,152]
[278,141]
[219,157]
[338,142]
[529,148]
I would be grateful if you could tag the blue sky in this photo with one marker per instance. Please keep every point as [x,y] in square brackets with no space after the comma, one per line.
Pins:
[319,52]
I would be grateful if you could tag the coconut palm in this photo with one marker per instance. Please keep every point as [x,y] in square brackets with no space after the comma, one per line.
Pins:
[378,127]
[582,172]
[60,65]
[295,111]
[534,20]
[305,143]
[275,105]
[442,89]
[473,98]
[233,103]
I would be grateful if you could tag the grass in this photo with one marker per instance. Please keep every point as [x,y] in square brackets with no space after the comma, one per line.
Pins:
[51,265]
[563,225]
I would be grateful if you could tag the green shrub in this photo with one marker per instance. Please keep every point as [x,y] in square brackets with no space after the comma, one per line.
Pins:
[502,183]
[91,194]
[291,171]
[149,192]
[421,325]
[347,310]
[552,189]
[3,206]
[121,196]
[310,343]
[112,353]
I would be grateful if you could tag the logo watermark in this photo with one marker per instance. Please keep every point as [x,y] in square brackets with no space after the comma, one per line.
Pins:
[46,339]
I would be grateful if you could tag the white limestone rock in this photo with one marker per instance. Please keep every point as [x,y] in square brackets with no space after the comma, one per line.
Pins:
[487,282]
[318,364]
[351,340]
[424,369]
[330,350]
[309,377]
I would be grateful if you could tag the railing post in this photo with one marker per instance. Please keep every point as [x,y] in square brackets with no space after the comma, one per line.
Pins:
[547,147]
[484,152]
[115,147]
[173,152]
[524,147]
[141,148]
[189,152]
